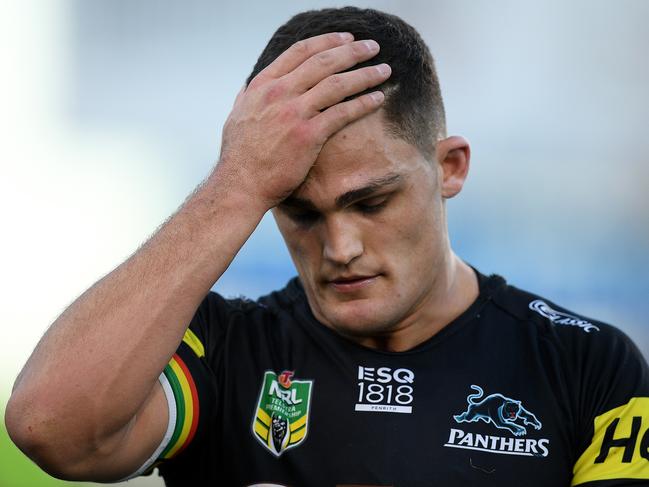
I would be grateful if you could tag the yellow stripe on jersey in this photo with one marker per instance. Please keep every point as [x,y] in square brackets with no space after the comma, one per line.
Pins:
[194,343]
[620,445]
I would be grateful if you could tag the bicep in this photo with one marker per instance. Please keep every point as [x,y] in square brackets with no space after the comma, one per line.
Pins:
[134,449]
[174,414]
[183,397]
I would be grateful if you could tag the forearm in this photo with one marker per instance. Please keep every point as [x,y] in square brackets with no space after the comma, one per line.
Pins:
[95,366]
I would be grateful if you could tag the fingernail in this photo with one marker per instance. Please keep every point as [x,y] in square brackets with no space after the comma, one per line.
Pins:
[372,46]
[383,69]
[377,96]
[346,36]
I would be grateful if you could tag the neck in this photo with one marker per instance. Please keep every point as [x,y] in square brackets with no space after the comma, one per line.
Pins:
[454,289]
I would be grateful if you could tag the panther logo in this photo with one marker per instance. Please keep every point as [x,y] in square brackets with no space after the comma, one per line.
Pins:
[499,410]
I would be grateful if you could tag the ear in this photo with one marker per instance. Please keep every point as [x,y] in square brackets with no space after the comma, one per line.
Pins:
[453,156]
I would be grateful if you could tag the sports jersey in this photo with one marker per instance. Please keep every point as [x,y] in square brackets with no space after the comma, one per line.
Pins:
[516,391]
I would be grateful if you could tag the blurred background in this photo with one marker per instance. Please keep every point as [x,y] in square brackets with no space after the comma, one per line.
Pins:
[110,114]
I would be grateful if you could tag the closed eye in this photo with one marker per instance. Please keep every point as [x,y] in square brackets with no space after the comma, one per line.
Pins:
[302,217]
[372,205]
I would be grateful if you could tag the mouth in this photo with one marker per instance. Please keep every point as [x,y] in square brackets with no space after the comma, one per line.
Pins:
[347,284]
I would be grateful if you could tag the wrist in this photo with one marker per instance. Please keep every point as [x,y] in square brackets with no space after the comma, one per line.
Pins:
[236,182]
[234,191]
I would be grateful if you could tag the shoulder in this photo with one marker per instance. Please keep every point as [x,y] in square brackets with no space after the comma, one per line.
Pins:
[215,304]
[219,312]
[549,317]
[600,365]
[584,342]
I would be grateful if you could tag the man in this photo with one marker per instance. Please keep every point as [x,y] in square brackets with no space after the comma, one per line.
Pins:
[388,362]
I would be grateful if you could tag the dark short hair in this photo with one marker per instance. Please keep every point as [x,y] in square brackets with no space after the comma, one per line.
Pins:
[413,106]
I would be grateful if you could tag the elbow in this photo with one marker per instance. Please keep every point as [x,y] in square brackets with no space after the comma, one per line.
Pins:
[19,421]
[35,434]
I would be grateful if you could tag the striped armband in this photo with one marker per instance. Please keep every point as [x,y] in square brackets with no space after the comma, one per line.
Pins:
[183,406]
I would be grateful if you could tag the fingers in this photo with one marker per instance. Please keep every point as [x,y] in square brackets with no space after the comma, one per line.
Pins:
[302,50]
[337,87]
[325,63]
[338,116]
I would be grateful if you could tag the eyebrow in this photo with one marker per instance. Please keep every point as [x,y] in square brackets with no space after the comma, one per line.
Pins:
[348,197]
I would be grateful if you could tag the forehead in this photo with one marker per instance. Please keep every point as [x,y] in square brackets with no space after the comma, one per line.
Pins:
[361,152]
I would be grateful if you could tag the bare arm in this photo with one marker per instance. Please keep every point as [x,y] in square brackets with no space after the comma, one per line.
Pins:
[87,404]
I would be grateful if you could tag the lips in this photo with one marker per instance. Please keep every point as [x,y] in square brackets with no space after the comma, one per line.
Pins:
[352,283]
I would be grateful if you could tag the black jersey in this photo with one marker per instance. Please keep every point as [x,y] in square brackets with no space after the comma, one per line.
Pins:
[515,392]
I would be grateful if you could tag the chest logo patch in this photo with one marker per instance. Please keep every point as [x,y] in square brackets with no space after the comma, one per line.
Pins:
[498,410]
[282,415]
[385,390]
[505,414]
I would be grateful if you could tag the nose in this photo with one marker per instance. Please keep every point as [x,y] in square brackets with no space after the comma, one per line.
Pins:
[342,241]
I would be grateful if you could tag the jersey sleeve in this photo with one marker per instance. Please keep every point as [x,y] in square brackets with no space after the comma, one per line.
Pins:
[614,413]
[189,383]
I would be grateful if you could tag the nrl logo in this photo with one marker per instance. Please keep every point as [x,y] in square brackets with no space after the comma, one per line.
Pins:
[282,414]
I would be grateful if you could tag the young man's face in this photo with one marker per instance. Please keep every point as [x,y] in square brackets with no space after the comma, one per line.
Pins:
[367,230]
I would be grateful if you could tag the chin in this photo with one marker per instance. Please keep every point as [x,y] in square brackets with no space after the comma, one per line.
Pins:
[356,318]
